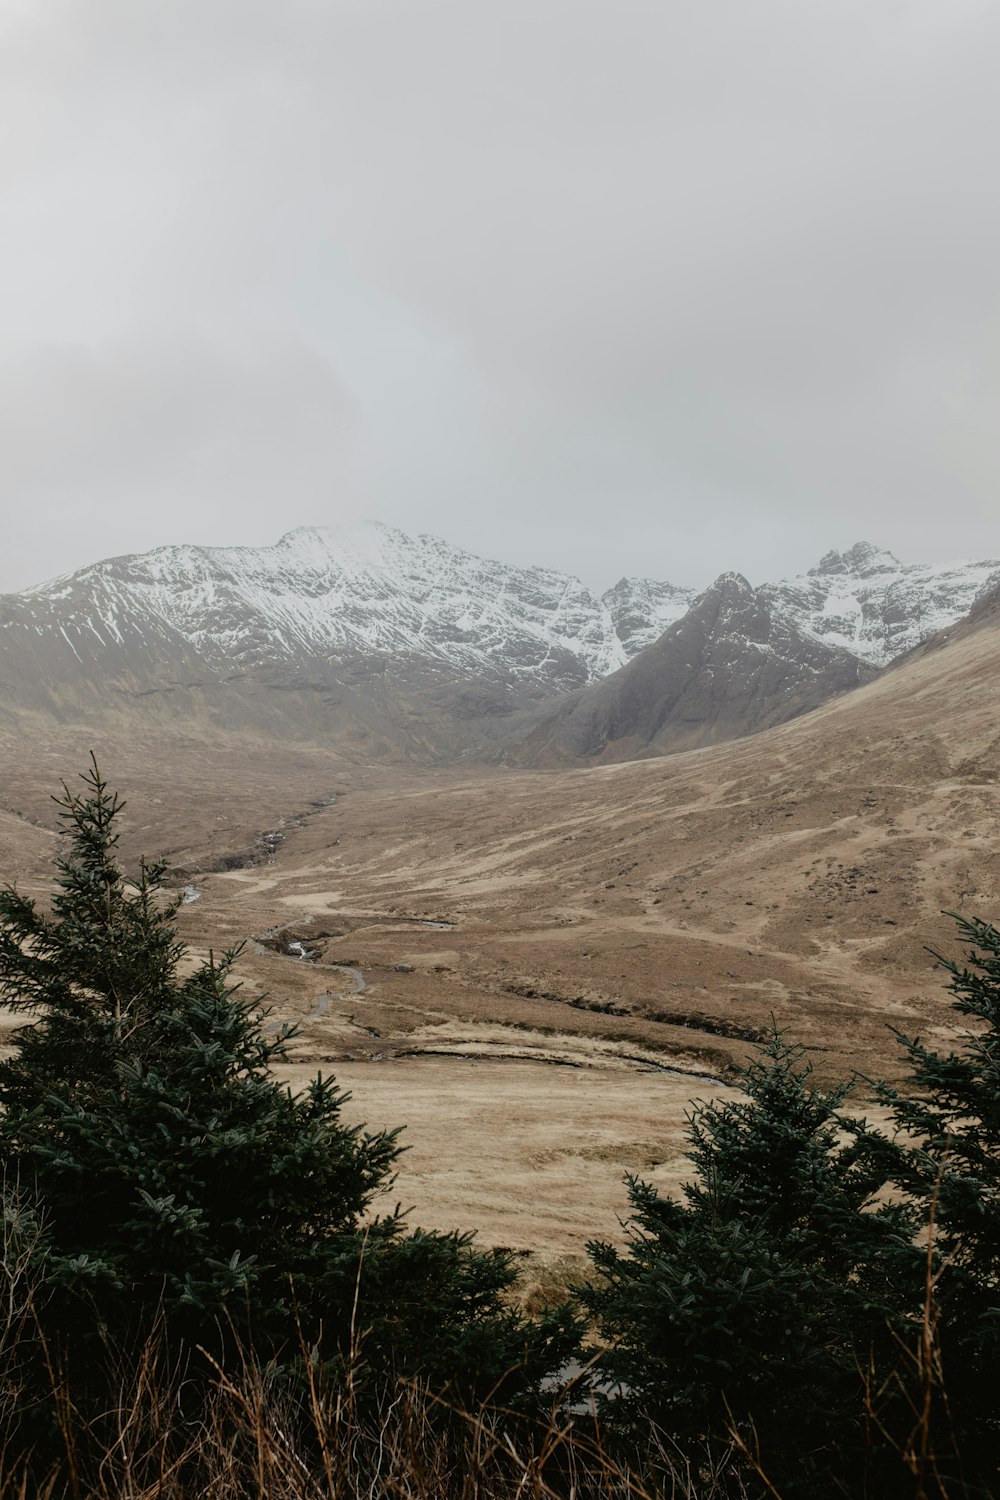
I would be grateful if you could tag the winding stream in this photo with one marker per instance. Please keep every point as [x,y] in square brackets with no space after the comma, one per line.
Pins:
[322,1003]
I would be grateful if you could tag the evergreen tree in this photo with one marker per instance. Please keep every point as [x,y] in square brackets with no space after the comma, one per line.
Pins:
[758,1305]
[946,1160]
[177,1180]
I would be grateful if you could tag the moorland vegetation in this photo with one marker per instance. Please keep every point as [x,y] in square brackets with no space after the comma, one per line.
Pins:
[200,1298]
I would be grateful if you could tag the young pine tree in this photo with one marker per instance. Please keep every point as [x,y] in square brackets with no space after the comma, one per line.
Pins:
[757,1305]
[179,1183]
[946,1160]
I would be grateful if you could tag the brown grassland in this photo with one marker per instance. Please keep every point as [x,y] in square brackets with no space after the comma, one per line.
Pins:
[536,972]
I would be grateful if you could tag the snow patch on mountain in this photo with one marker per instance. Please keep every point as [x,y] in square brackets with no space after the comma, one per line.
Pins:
[869,603]
[368,601]
[366,591]
[643,608]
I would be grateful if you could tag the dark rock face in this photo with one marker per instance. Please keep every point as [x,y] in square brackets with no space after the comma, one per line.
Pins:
[733,665]
[863,560]
[988,598]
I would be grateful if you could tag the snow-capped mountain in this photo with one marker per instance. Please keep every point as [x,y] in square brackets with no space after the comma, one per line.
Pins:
[869,603]
[642,609]
[409,644]
[735,663]
[367,592]
[743,659]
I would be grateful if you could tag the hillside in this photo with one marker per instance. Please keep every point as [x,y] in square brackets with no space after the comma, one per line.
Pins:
[800,872]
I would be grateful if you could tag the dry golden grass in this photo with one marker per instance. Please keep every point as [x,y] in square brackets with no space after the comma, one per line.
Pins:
[602,921]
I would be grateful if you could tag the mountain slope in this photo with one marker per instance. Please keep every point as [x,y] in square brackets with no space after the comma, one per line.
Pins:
[641,609]
[388,642]
[745,659]
[735,664]
[869,603]
[388,645]
[368,590]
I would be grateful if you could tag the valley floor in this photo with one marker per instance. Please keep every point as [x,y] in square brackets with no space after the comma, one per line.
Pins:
[536,972]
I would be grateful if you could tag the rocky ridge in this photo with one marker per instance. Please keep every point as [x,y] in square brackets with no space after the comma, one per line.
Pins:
[869,603]
[394,642]
[367,593]
[735,664]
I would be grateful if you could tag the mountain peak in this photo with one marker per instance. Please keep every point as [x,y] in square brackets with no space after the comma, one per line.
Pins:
[863,558]
[360,540]
[366,615]
[732,585]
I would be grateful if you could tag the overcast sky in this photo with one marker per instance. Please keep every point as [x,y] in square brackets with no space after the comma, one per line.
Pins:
[618,286]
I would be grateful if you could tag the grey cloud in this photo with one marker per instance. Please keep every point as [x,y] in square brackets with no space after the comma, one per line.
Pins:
[137,443]
[617,285]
